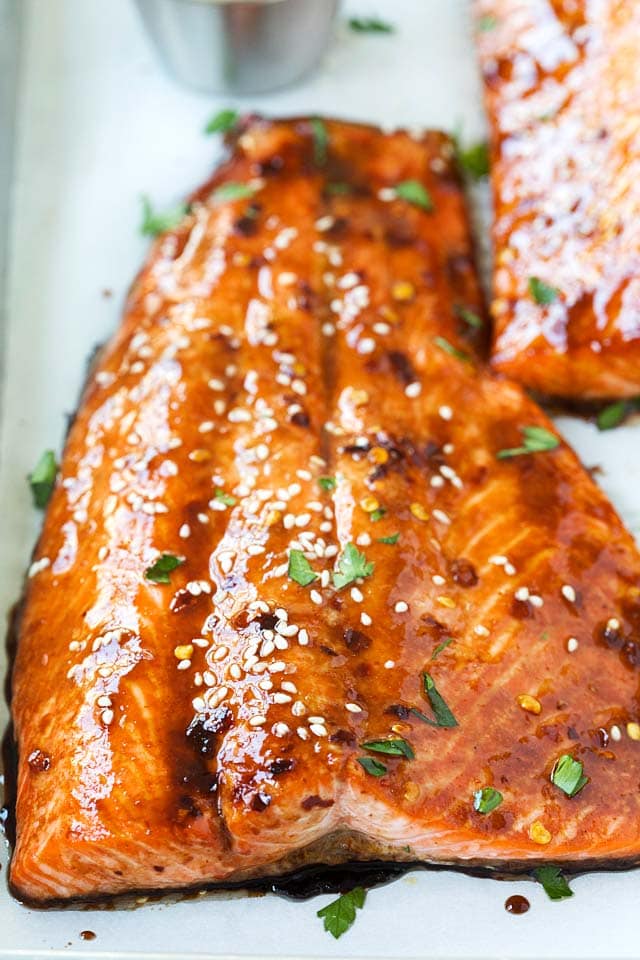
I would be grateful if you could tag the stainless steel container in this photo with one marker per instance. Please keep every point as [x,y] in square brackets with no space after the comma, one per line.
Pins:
[238,46]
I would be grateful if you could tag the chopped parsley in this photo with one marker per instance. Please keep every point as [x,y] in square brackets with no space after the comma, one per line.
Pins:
[300,569]
[320,141]
[541,292]
[225,498]
[340,914]
[469,317]
[474,160]
[370,25]
[486,800]
[378,514]
[441,646]
[443,715]
[449,348]
[154,223]
[160,570]
[391,540]
[486,23]
[536,440]
[222,121]
[327,483]
[393,747]
[373,767]
[232,191]
[413,192]
[351,565]
[337,189]
[612,416]
[554,882]
[42,479]
[568,775]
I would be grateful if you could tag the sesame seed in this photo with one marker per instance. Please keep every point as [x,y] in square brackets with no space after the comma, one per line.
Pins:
[535,600]
[445,412]
[303,637]
[298,709]
[480,630]
[280,729]
[401,607]
[257,721]
[615,733]
[509,569]
[266,684]
[277,667]
[366,345]
[413,389]
[356,595]
[316,719]
[613,623]
[324,224]
[198,704]
[235,672]
[302,733]
[389,664]
[568,593]
[318,729]
[288,686]
[353,708]
[436,481]
[572,644]
[522,593]
[441,516]
[184,531]
[107,717]
[315,597]
[365,619]
[281,698]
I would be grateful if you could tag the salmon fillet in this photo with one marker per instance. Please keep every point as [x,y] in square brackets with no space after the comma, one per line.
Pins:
[375,618]
[562,83]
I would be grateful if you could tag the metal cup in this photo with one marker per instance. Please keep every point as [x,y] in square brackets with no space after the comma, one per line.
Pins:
[238,46]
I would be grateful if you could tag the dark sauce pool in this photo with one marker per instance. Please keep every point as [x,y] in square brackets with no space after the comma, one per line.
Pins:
[517,904]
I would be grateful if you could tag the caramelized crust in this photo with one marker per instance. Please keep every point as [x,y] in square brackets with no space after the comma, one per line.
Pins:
[562,82]
[294,372]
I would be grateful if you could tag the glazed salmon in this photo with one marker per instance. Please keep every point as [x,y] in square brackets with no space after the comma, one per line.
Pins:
[313,587]
[562,82]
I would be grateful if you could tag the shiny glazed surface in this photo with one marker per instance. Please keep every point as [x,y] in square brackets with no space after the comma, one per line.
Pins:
[209,728]
[562,84]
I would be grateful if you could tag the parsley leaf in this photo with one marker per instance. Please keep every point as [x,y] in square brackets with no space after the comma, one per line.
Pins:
[225,498]
[554,882]
[541,292]
[232,191]
[374,767]
[394,747]
[222,121]
[391,540]
[486,800]
[612,416]
[567,774]
[155,223]
[160,570]
[449,348]
[320,141]
[474,160]
[444,716]
[340,914]
[470,318]
[337,189]
[327,483]
[42,479]
[413,192]
[378,514]
[536,440]
[300,569]
[370,25]
[486,23]
[351,565]
[441,646]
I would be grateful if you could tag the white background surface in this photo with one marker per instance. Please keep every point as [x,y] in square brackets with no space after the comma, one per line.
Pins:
[98,125]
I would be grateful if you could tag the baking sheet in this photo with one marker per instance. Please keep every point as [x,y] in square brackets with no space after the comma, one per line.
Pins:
[98,124]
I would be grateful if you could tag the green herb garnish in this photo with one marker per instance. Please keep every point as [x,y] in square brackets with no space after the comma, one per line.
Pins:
[320,141]
[444,344]
[351,565]
[300,569]
[374,767]
[413,192]
[474,160]
[337,189]
[486,800]
[568,775]
[394,747]
[340,914]
[42,479]
[443,715]
[541,292]
[232,191]
[536,440]
[612,416]
[370,25]
[441,646]
[155,223]
[225,498]
[486,23]
[222,121]
[378,514]
[391,540]
[469,317]
[327,483]
[554,882]
[160,570]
